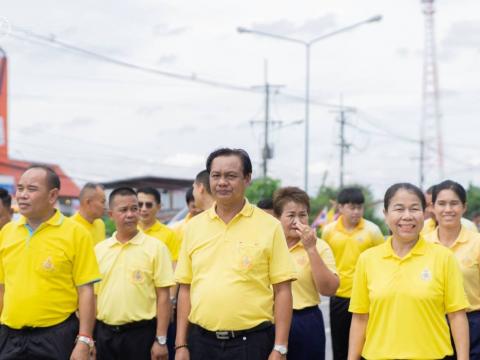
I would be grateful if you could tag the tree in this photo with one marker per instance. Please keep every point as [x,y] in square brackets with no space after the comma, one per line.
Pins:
[262,188]
[473,200]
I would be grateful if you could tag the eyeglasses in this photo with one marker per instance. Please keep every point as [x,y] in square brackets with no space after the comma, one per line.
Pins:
[148,204]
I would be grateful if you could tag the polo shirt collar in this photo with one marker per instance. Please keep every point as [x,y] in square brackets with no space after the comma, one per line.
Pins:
[156,226]
[340,227]
[419,248]
[136,240]
[55,220]
[461,238]
[247,210]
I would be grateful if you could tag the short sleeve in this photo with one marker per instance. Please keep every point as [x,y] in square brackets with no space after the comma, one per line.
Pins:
[360,300]
[163,270]
[2,273]
[85,266]
[174,245]
[281,266]
[183,271]
[326,254]
[455,297]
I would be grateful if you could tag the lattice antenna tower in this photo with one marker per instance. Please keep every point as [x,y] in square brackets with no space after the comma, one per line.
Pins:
[431,122]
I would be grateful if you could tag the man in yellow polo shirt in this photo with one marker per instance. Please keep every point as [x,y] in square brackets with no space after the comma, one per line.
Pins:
[47,271]
[149,203]
[92,208]
[6,211]
[202,193]
[233,255]
[348,237]
[133,305]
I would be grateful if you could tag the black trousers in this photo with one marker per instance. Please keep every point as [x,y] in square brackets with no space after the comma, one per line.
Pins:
[256,345]
[48,343]
[126,342]
[340,320]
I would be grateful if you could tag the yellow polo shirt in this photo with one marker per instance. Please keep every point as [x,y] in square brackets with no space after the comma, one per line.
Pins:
[97,229]
[131,272]
[347,247]
[304,292]
[429,225]
[167,235]
[406,300]
[466,249]
[42,269]
[179,228]
[231,267]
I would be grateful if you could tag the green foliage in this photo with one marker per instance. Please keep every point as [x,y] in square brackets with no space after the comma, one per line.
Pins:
[473,200]
[262,188]
[109,226]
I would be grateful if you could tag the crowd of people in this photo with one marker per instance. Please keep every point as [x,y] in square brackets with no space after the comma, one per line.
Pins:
[234,280]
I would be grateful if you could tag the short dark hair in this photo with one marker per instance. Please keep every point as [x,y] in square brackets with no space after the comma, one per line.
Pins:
[287,194]
[392,190]
[430,189]
[189,196]
[203,177]
[5,198]
[265,204]
[458,189]
[53,180]
[350,195]
[89,186]
[121,191]
[242,154]
[151,191]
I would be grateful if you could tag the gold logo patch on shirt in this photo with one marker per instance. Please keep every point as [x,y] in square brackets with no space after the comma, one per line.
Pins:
[468,262]
[48,265]
[301,260]
[246,262]
[138,276]
[426,275]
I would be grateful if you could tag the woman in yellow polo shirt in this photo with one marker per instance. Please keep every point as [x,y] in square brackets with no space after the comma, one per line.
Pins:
[316,273]
[449,204]
[403,290]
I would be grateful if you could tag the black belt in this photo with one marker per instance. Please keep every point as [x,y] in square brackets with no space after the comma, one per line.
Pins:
[232,334]
[37,329]
[128,326]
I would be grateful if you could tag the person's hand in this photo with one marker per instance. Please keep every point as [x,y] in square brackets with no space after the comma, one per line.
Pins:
[182,354]
[274,355]
[82,351]
[308,237]
[159,352]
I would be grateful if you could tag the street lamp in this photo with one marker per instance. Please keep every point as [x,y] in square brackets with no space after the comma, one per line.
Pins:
[307,45]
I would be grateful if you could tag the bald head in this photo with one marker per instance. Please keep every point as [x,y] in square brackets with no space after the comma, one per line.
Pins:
[92,201]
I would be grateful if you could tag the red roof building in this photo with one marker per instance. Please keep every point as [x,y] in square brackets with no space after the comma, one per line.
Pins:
[13,169]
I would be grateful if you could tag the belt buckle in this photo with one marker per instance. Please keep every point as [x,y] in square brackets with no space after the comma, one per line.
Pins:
[223,335]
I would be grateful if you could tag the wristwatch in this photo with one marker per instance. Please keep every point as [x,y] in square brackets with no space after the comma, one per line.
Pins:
[86,340]
[162,340]
[282,349]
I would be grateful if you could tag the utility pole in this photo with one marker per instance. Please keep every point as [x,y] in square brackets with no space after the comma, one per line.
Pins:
[343,144]
[267,151]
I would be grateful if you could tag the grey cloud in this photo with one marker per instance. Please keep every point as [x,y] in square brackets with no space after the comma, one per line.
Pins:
[148,110]
[78,122]
[311,27]
[463,34]
[168,59]
[166,30]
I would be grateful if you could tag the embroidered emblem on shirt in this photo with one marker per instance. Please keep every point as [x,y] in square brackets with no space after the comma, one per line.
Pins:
[426,275]
[301,260]
[360,238]
[468,262]
[246,262]
[48,264]
[138,276]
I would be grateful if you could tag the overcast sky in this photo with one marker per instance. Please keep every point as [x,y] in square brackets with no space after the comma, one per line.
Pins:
[102,121]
